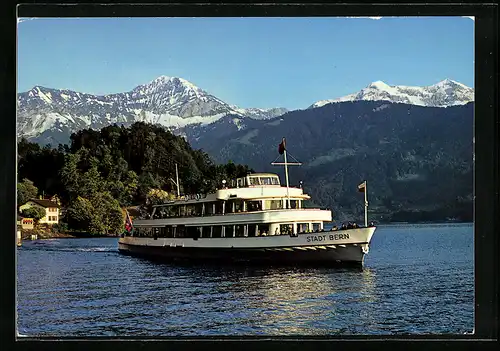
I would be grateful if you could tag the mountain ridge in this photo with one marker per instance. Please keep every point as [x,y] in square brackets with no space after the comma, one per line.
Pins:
[442,94]
[172,102]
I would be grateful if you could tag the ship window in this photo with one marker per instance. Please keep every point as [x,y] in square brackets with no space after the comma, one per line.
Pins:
[182,210]
[274,204]
[240,183]
[165,232]
[315,227]
[209,208]
[254,181]
[180,231]
[275,181]
[217,231]
[219,207]
[229,206]
[239,231]
[265,180]
[238,206]
[190,210]
[198,208]
[254,206]
[228,231]
[191,232]
[252,229]
[263,229]
[302,227]
[293,204]
[286,229]
[172,211]
[206,232]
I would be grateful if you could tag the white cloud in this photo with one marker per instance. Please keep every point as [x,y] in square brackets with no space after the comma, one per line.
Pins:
[24,19]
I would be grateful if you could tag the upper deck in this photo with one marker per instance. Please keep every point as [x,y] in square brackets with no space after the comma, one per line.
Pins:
[253,186]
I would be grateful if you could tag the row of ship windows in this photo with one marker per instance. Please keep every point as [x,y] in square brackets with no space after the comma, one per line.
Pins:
[220,231]
[220,207]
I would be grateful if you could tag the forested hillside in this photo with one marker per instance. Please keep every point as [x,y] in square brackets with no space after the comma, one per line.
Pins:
[102,171]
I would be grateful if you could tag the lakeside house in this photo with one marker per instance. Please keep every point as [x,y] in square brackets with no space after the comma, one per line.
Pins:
[51,210]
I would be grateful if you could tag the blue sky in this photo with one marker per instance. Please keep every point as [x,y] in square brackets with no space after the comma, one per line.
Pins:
[249,62]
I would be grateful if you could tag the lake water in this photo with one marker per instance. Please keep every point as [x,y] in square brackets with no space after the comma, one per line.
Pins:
[417,279]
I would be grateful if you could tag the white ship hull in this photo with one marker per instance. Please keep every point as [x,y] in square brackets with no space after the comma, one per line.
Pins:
[328,247]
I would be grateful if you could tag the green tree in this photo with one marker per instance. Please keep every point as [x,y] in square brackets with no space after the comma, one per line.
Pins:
[79,214]
[26,190]
[107,217]
[36,213]
[70,175]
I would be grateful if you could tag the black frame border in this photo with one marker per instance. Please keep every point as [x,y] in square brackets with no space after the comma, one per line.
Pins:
[486,129]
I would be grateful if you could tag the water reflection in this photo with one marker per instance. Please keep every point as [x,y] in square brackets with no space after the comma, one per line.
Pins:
[279,300]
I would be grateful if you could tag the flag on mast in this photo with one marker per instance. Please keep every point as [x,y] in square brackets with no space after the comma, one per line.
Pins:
[128,223]
[362,187]
[282,146]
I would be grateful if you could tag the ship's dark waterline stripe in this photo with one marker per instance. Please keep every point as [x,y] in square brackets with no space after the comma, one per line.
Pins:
[349,255]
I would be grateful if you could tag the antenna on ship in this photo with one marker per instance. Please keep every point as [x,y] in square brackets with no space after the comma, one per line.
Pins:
[282,151]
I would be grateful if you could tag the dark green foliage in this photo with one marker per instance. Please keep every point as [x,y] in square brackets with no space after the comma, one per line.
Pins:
[105,170]
[25,191]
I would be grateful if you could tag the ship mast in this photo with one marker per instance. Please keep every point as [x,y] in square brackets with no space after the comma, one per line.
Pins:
[282,150]
[177,181]
[286,177]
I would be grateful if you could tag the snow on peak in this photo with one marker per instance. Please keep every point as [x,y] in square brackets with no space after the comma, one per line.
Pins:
[379,84]
[442,94]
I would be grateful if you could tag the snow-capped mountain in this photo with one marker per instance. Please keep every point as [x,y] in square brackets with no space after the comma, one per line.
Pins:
[443,94]
[169,101]
[261,113]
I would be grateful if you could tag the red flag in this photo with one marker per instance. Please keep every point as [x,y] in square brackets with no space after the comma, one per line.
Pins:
[128,223]
[282,146]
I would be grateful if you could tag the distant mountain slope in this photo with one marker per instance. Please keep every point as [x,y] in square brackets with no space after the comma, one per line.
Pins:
[443,94]
[414,157]
[51,115]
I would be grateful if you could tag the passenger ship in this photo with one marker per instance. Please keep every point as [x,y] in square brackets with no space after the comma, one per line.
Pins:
[253,219]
